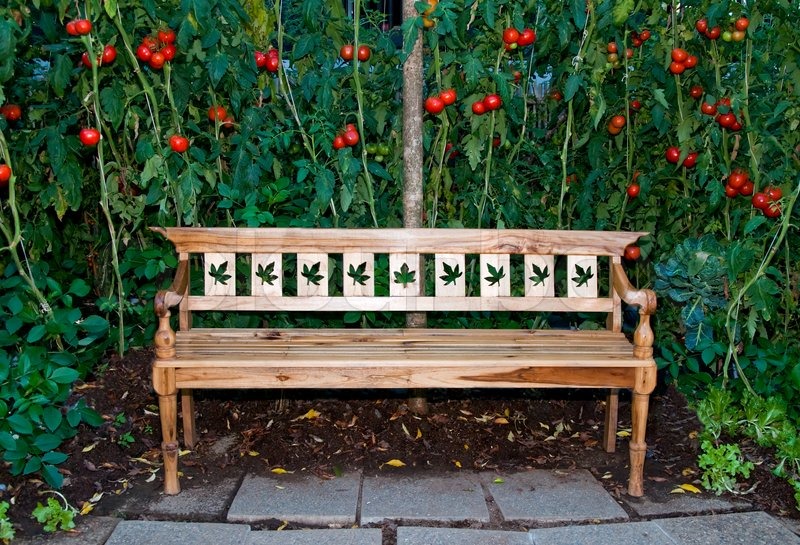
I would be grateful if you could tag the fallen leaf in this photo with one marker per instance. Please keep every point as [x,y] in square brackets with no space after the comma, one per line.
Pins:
[184,452]
[283,525]
[510,436]
[279,471]
[280,487]
[310,415]
[419,434]
[501,420]
[693,434]
[687,471]
[405,430]
[90,447]
[97,496]
[498,480]
[252,453]
[87,508]
[678,490]
[624,433]
[394,463]
[151,478]
[690,488]
[457,463]
[607,475]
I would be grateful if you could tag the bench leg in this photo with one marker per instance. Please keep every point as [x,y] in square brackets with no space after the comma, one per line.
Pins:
[610,428]
[187,410]
[168,408]
[638,447]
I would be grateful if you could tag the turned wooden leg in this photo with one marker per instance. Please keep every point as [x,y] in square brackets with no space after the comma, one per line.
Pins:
[638,447]
[168,407]
[187,410]
[610,428]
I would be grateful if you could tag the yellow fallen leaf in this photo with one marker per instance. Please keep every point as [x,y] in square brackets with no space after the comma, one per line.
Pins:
[419,434]
[507,412]
[394,463]
[624,433]
[96,497]
[405,430]
[151,478]
[283,525]
[690,488]
[510,436]
[687,471]
[279,471]
[693,434]
[501,420]
[457,464]
[87,508]
[466,446]
[252,453]
[89,448]
[678,490]
[184,452]
[606,475]
[310,415]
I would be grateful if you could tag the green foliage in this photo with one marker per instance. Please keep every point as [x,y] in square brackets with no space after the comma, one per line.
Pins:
[718,413]
[6,528]
[721,466]
[55,516]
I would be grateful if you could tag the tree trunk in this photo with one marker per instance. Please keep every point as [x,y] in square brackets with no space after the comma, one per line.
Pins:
[413,199]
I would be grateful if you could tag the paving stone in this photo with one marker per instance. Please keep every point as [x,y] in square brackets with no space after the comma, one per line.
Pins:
[628,533]
[680,504]
[441,498]
[300,498]
[198,501]
[412,535]
[553,496]
[732,529]
[135,532]
[90,530]
[349,536]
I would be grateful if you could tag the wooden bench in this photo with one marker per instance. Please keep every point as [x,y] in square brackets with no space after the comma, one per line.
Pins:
[401,270]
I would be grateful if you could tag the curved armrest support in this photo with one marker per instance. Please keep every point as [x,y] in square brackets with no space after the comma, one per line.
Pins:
[646,301]
[172,296]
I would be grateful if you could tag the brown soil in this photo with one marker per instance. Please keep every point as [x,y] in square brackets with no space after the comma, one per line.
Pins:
[464,430]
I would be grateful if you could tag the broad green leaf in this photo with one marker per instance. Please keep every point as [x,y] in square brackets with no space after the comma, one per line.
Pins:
[573,84]
[64,375]
[20,424]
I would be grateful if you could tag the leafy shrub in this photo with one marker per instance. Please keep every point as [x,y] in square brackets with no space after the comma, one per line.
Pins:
[6,529]
[721,465]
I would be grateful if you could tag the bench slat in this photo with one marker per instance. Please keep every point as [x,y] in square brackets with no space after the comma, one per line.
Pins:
[400,304]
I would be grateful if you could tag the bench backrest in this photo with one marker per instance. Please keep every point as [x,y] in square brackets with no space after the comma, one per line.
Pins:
[510,270]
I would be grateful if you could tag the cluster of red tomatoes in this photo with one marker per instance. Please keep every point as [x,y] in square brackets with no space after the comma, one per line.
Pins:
[727,120]
[12,112]
[673,155]
[347,50]
[348,138]
[108,56]
[738,184]
[157,50]
[681,60]
[435,104]
[78,27]
[612,55]
[489,103]
[269,60]
[219,113]
[638,38]
[616,124]
[768,201]
[513,38]
[736,32]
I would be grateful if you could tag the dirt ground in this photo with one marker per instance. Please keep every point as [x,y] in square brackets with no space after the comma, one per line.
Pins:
[328,432]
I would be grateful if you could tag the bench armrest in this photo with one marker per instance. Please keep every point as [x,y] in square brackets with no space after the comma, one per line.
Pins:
[646,301]
[172,296]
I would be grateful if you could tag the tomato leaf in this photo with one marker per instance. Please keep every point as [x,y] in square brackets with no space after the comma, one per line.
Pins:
[574,83]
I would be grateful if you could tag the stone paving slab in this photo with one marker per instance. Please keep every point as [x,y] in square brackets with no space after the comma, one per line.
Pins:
[414,535]
[299,498]
[136,532]
[628,533]
[547,496]
[349,536]
[680,504]
[733,529]
[90,530]
[199,501]
[441,498]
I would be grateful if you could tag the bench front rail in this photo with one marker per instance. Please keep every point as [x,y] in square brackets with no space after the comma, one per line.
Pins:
[401,270]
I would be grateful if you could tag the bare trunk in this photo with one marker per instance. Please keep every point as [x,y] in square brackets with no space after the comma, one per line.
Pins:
[413,199]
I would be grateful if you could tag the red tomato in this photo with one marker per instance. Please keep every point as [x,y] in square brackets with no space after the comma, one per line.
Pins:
[510,35]
[260,58]
[632,252]
[726,120]
[644,35]
[612,47]
[492,102]
[730,191]
[151,43]
[676,67]
[713,33]
[691,61]
[216,113]
[478,107]
[708,109]
[166,36]
[696,92]
[350,137]
[773,210]
[613,129]
[737,179]
[364,53]
[556,95]
[89,137]
[760,200]
[672,154]
[633,191]
[169,51]
[178,143]
[346,52]
[273,63]
[774,193]
[109,54]
[636,105]
[5,175]
[87,62]
[679,55]
[448,96]
[434,105]
[71,30]
[741,24]
[618,121]
[143,53]
[527,37]
[83,26]
[12,112]
[338,142]
[747,189]
[701,25]
[157,60]
[691,160]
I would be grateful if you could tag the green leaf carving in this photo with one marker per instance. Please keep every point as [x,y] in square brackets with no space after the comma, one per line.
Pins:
[311,274]
[583,276]
[451,274]
[219,273]
[358,274]
[266,274]
[405,276]
[495,275]
[539,274]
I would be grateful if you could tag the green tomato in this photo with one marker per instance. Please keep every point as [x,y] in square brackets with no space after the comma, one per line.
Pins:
[383,149]
[372,149]
[727,36]
[379,158]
